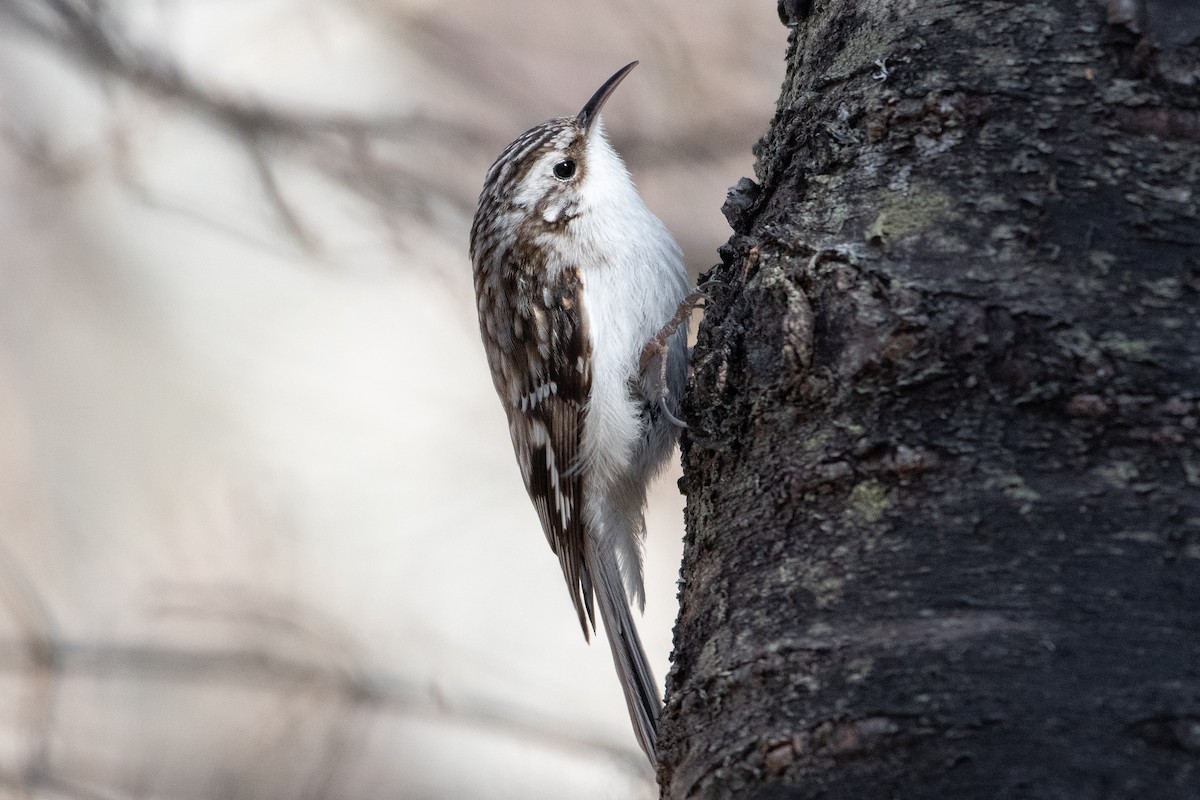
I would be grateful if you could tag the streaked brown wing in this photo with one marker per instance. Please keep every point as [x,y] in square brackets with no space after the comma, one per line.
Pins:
[551,351]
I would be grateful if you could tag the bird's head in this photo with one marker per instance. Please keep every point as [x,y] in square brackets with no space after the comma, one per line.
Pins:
[561,168]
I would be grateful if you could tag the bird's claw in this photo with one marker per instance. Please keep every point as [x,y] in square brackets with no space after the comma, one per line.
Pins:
[657,348]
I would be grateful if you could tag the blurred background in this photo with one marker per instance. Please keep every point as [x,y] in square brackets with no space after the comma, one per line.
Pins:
[261,530]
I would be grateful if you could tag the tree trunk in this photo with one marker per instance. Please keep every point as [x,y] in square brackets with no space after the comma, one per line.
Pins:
[943,471]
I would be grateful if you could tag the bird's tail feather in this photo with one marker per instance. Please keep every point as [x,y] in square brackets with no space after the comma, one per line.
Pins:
[633,668]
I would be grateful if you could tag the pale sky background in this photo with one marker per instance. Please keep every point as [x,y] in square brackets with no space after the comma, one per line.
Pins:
[261,530]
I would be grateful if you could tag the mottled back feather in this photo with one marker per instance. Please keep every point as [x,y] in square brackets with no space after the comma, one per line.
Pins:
[546,422]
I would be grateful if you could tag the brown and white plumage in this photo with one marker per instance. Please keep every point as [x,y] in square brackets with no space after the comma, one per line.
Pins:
[573,276]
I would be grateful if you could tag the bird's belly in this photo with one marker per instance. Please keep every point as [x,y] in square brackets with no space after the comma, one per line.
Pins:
[623,317]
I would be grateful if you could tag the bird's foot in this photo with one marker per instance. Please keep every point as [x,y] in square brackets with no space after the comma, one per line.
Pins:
[653,361]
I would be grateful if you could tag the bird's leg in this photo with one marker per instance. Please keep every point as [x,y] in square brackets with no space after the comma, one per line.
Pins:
[656,348]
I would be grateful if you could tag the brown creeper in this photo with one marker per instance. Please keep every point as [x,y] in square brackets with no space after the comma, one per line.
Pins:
[575,280]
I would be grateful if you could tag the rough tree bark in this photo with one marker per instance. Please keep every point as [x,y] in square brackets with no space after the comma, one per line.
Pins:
[943,471]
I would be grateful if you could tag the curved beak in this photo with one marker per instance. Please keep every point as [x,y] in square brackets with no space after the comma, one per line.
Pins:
[591,110]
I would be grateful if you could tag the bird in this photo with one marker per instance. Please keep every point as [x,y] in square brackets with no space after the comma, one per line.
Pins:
[579,289]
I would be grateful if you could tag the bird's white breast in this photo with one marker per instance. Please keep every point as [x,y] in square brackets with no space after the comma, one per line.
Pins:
[633,284]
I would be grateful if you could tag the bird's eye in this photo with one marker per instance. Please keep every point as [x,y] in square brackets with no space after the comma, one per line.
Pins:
[564,170]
